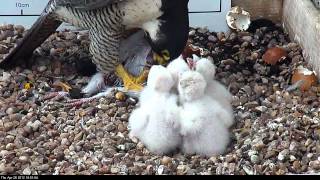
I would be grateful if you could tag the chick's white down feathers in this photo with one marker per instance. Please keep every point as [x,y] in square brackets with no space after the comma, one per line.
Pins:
[176,68]
[201,118]
[191,86]
[155,122]
[215,89]
[159,79]
[200,125]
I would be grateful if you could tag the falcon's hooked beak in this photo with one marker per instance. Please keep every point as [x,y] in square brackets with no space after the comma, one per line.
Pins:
[163,58]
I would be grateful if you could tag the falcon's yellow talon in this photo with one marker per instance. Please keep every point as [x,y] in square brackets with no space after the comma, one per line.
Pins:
[142,77]
[130,82]
[162,60]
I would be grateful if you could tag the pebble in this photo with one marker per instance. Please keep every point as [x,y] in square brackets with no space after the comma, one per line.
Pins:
[11,110]
[255,159]
[78,136]
[251,105]
[275,132]
[115,170]
[261,109]
[42,69]
[182,170]
[121,147]
[213,38]
[10,146]
[202,30]
[121,128]
[220,35]
[124,117]
[140,146]
[6,34]
[70,36]
[19,28]
[247,38]
[166,160]
[3,50]
[23,159]
[296,165]
[27,130]
[271,154]
[7,169]
[5,77]
[315,165]
[8,126]
[160,169]
[26,171]
[248,170]
[283,155]
[44,167]
[120,96]
[110,127]
[65,141]
[229,158]
[36,125]
[192,33]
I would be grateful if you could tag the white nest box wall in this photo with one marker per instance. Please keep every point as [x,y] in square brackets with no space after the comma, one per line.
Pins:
[23,12]
[203,13]
[210,14]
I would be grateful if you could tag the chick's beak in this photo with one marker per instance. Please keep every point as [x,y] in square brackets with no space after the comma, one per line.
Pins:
[191,63]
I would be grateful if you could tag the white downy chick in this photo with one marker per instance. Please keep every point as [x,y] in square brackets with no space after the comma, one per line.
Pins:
[201,118]
[215,89]
[156,121]
[176,68]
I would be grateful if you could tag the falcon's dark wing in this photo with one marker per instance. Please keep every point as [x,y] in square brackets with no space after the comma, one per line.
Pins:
[86,4]
[46,25]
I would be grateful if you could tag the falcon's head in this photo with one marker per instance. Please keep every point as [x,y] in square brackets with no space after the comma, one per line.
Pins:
[168,35]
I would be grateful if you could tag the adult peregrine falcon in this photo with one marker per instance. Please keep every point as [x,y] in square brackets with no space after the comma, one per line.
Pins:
[165,22]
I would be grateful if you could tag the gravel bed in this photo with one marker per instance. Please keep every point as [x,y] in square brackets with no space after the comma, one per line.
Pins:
[276,132]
